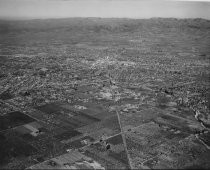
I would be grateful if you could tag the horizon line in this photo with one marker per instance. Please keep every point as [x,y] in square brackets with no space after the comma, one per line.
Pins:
[131,18]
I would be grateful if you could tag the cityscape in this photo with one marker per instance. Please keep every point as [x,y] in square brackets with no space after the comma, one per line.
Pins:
[105,93]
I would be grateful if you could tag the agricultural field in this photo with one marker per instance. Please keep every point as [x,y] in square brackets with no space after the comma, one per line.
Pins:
[118,93]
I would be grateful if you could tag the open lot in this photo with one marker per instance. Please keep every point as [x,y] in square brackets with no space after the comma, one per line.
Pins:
[14,119]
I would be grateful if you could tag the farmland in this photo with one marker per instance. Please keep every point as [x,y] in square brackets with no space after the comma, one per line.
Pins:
[127,93]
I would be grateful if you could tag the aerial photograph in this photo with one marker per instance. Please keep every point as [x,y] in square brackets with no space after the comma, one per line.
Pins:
[104,84]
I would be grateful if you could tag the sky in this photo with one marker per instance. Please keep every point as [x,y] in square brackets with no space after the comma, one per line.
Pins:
[32,9]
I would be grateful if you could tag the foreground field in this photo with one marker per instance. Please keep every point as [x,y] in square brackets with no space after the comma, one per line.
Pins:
[115,93]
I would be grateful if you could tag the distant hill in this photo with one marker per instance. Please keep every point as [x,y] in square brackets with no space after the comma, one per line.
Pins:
[114,25]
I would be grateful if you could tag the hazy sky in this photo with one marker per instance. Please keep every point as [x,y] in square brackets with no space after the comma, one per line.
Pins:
[103,8]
